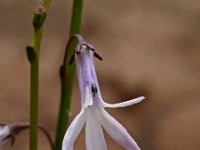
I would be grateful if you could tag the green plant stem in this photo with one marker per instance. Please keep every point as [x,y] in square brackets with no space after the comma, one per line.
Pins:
[46,4]
[67,74]
[33,52]
[34,91]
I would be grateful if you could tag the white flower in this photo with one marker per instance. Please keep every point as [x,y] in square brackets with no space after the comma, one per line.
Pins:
[5,138]
[8,133]
[92,111]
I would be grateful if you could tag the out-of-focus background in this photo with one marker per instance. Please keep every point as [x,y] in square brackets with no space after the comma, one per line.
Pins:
[150,48]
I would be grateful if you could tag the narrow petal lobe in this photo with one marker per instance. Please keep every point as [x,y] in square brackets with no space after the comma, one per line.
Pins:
[94,133]
[73,131]
[117,132]
[126,103]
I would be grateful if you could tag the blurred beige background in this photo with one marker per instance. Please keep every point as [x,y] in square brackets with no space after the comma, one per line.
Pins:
[150,48]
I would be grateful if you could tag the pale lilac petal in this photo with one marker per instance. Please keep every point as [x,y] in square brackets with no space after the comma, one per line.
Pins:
[79,77]
[93,72]
[94,133]
[73,131]
[84,72]
[5,141]
[117,131]
[126,103]
[4,132]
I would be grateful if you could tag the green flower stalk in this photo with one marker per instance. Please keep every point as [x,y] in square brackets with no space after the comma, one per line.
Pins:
[33,52]
[67,74]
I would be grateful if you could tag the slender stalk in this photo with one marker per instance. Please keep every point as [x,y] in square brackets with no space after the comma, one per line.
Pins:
[46,4]
[17,128]
[67,74]
[33,52]
[34,105]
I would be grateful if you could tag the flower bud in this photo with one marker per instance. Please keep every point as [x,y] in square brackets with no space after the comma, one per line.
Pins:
[39,17]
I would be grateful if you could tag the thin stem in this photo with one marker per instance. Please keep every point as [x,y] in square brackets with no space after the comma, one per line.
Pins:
[19,127]
[67,77]
[46,4]
[34,105]
[33,52]
[46,133]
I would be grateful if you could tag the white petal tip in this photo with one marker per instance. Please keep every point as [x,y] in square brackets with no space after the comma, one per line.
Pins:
[126,103]
[141,98]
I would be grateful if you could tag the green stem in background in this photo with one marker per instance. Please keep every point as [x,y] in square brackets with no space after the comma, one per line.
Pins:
[33,52]
[67,74]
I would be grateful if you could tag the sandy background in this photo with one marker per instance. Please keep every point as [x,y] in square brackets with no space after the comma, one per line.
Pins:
[150,48]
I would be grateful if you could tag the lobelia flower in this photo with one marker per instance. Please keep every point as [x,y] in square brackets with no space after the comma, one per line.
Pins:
[92,111]
[8,133]
[5,141]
